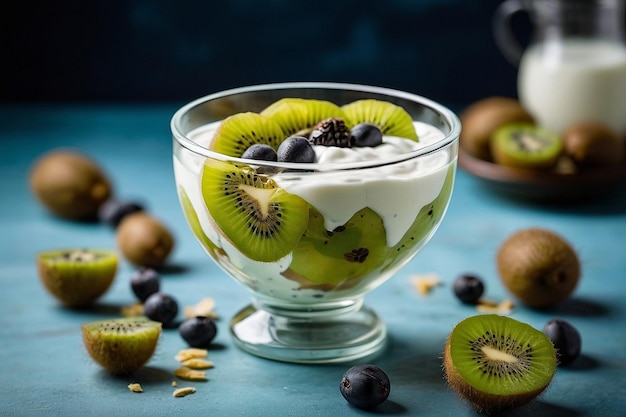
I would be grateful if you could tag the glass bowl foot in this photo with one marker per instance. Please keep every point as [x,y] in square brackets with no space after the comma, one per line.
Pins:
[337,335]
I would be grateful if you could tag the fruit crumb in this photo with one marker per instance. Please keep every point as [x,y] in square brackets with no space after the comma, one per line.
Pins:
[181,392]
[203,308]
[132,310]
[135,387]
[197,363]
[174,383]
[190,374]
[191,353]
[425,283]
[489,306]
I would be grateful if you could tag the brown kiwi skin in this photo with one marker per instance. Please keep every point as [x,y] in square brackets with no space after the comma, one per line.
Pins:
[144,240]
[483,402]
[591,144]
[70,184]
[483,117]
[539,267]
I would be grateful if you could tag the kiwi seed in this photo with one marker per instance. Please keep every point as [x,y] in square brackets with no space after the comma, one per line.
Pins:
[482,118]
[538,266]
[593,145]
[497,363]
[143,240]
[77,277]
[70,185]
[121,346]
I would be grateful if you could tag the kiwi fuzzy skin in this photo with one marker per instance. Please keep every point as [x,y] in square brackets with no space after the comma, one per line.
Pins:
[70,185]
[592,144]
[539,267]
[482,118]
[144,241]
[484,402]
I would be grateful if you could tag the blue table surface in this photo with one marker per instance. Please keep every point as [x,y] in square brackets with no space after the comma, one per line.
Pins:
[45,370]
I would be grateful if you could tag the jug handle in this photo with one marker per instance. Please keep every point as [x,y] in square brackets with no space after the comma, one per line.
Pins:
[503,35]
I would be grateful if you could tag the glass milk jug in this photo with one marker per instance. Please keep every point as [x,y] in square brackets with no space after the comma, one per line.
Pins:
[574,69]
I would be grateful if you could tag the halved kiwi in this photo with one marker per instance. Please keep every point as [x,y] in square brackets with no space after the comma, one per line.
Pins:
[121,346]
[333,258]
[299,115]
[260,219]
[524,145]
[238,132]
[497,362]
[77,277]
[392,119]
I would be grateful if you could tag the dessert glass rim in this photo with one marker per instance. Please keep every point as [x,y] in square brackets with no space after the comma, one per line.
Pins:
[447,115]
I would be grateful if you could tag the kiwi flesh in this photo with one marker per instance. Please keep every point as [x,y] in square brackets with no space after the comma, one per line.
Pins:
[538,266]
[334,259]
[485,116]
[259,218]
[591,144]
[144,240]
[77,277]
[238,132]
[194,223]
[70,184]
[391,119]
[121,346]
[526,146]
[497,363]
[298,116]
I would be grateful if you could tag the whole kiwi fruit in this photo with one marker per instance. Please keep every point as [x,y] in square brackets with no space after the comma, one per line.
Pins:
[70,184]
[538,266]
[483,117]
[144,240]
[591,144]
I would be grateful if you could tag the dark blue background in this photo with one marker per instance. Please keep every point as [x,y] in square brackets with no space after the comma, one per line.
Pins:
[156,50]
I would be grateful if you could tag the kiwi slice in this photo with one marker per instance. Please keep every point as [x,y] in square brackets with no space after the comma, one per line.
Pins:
[497,362]
[430,215]
[238,132]
[526,146]
[121,346]
[391,119]
[259,218]
[77,277]
[332,259]
[538,266]
[298,116]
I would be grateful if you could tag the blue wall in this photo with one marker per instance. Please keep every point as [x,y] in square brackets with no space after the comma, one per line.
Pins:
[152,50]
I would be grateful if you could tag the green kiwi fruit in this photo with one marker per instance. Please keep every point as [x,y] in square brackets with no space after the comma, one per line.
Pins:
[238,132]
[121,346]
[77,277]
[538,266]
[332,259]
[485,116]
[143,240]
[392,120]
[497,363]
[526,146]
[297,116]
[430,215]
[194,223]
[70,185]
[591,144]
[259,218]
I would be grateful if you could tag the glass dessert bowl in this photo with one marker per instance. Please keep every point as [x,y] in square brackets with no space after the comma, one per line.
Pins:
[344,186]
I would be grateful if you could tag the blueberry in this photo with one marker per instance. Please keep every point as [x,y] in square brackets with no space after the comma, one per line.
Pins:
[144,283]
[366,134]
[260,152]
[365,386]
[565,338]
[468,288]
[198,331]
[112,212]
[160,307]
[296,149]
